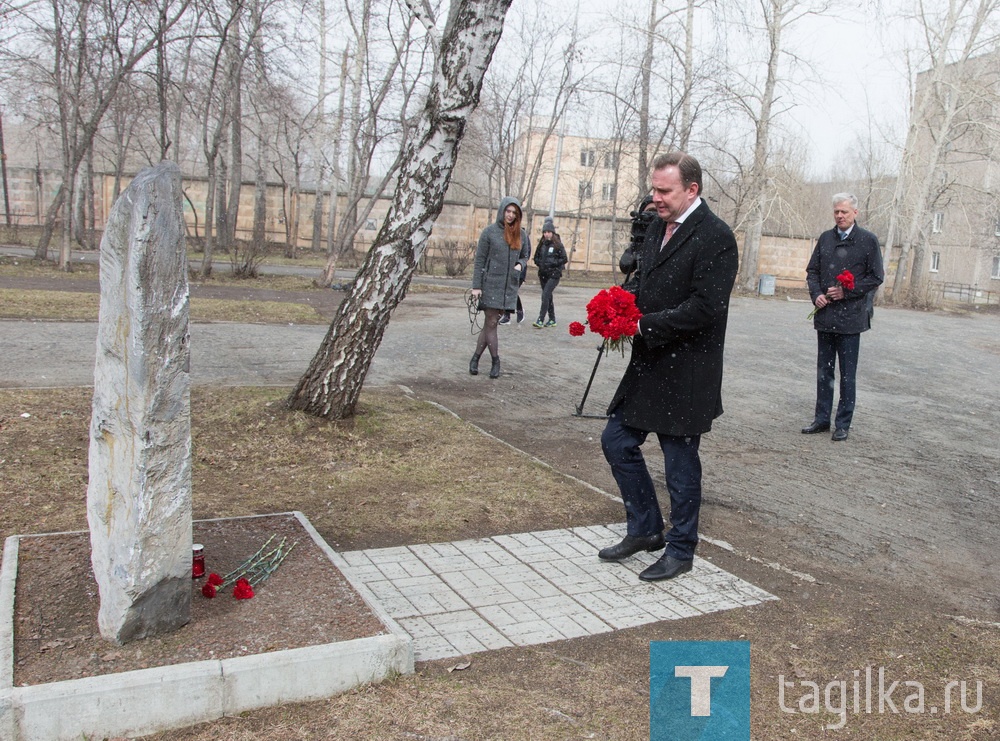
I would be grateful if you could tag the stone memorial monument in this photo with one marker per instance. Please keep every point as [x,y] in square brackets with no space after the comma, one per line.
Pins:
[139,496]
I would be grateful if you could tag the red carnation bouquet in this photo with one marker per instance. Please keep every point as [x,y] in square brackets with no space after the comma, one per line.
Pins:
[613,315]
[846,281]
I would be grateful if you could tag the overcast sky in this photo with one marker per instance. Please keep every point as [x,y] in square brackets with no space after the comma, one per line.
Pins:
[858,80]
[863,83]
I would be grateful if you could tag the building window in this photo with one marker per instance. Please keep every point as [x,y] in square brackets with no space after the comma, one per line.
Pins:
[996,227]
[935,261]
[996,269]
[611,160]
[938,222]
[586,190]
[587,157]
[608,191]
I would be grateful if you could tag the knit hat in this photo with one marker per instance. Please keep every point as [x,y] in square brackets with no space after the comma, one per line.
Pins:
[548,226]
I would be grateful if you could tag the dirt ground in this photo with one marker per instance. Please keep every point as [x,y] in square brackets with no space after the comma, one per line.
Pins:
[896,527]
[910,497]
[306,602]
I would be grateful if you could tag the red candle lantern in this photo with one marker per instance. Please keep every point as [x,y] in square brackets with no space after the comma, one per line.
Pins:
[197,561]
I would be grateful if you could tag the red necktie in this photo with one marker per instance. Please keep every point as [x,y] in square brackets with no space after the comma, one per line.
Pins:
[671,228]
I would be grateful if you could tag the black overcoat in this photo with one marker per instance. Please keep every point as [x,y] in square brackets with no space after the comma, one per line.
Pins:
[860,254]
[673,383]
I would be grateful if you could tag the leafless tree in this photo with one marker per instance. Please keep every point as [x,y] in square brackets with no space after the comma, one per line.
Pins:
[461,53]
[92,47]
[949,99]
[762,104]
[526,94]
[671,80]
[384,76]
[236,31]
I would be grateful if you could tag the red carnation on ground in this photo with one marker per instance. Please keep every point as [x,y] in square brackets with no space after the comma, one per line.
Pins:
[208,590]
[215,580]
[613,315]
[243,590]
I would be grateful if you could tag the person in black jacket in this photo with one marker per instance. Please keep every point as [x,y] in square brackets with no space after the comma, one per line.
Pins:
[842,314]
[628,263]
[673,383]
[550,256]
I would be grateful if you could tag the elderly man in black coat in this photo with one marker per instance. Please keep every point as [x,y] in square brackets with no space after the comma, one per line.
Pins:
[673,382]
[842,313]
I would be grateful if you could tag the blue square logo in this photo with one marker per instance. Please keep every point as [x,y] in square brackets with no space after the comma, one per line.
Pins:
[699,690]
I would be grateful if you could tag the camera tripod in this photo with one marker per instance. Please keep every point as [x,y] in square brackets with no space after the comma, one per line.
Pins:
[586,391]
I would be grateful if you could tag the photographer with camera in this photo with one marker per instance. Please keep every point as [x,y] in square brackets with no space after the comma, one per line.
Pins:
[628,263]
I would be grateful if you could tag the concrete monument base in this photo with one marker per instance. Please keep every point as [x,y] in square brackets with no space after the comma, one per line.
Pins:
[141,702]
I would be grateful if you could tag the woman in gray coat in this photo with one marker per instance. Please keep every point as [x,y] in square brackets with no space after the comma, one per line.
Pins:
[501,257]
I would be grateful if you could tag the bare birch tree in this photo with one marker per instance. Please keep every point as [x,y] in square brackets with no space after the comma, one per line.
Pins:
[670,81]
[763,105]
[462,52]
[94,48]
[525,96]
[237,32]
[947,90]
[383,78]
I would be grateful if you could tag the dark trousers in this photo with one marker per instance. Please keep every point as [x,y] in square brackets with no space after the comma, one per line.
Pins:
[682,465]
[520,310]
[842,349]
[549,283]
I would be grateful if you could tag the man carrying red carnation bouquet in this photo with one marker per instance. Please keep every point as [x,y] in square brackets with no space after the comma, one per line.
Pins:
[673,382]
[843,273]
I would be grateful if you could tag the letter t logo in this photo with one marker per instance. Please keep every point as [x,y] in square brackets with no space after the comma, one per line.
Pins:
[701,685]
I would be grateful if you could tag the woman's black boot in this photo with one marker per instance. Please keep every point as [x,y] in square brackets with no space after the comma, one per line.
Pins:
[474,366]
[495,368]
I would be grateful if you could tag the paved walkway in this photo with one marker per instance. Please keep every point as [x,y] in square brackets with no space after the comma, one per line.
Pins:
[468,596]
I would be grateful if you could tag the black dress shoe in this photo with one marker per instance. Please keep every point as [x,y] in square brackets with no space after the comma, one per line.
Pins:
[839,434]
[629,546]
[666,568]
[815,427]
[474,366]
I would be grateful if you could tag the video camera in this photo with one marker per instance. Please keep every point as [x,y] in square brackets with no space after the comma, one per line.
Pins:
[641,219]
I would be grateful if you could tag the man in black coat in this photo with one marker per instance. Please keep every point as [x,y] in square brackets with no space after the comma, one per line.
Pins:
[673,382]
[842,314]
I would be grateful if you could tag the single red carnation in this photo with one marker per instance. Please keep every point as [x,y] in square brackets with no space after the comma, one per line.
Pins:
[846,279]
[576,329]
[215,580]
[243,590]
[208,590]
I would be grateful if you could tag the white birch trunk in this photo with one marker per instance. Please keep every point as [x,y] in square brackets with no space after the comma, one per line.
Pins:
[332,384]
[755,222]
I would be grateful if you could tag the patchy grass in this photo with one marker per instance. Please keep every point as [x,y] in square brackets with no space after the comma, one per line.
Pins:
[26,267]
[401,471]
[83,307]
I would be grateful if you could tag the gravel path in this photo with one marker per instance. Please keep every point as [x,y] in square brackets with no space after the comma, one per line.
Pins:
[910,497]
